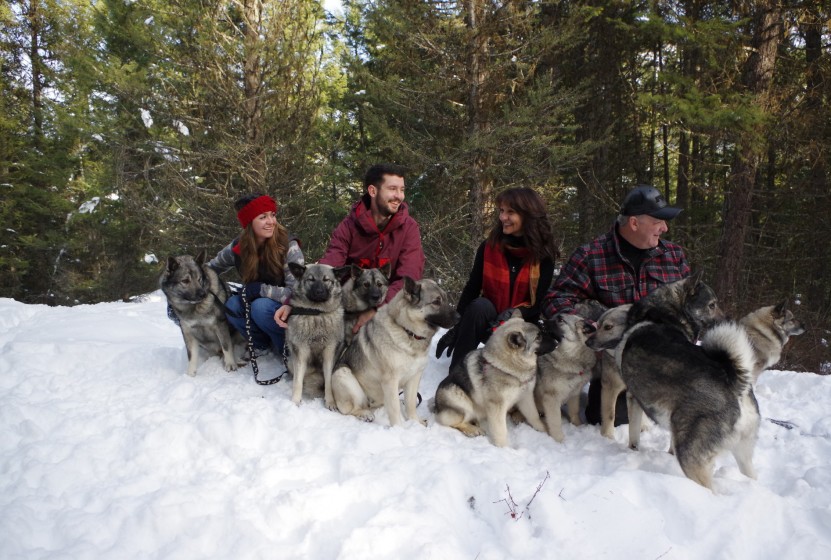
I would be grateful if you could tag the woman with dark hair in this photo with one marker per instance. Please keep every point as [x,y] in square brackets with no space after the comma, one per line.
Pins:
[513,269]
[261,255]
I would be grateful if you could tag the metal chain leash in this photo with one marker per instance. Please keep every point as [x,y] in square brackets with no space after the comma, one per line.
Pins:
[250,345]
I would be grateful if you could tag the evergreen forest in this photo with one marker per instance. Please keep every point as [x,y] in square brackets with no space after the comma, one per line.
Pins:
[128,127]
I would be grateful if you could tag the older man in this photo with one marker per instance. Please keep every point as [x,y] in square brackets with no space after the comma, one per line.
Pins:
[619,267]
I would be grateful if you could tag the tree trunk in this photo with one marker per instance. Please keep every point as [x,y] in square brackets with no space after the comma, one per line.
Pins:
[682,191]
[812,27]
[35,23]
[252,84]
[757,79]
[481,186]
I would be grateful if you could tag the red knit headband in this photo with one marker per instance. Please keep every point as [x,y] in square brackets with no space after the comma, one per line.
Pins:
[258,206]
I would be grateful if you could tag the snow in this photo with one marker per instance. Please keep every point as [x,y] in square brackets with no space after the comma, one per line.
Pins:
[89,206]
[108,450]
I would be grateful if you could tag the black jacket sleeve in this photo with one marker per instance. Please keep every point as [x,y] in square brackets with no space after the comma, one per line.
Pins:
[473,288]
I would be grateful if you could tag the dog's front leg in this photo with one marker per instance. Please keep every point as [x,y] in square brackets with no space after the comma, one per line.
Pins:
[227,345]
[528,408]
[573,408]
[193,354]
[299,359]
[389,386]
[328,365]
[635,419]
[553,416]
[411,399]
[611,385]
[498,424]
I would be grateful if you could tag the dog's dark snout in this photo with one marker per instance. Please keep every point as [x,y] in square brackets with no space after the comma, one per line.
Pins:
[318,292]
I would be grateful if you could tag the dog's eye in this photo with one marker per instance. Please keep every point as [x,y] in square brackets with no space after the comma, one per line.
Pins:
[437,301]
[185,281]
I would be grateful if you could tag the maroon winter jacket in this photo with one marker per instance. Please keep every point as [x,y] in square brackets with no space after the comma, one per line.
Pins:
[357,240]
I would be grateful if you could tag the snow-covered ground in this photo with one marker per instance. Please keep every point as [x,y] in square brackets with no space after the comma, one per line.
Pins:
[108,450]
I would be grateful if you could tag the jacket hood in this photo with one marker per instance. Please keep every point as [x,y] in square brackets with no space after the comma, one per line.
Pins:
[363,216]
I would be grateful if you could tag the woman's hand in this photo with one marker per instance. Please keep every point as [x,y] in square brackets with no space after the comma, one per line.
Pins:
[281,316]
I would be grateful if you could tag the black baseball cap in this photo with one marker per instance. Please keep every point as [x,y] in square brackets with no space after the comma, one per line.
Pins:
[644,199]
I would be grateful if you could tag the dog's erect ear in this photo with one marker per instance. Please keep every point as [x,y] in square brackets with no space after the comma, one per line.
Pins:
[517,340]
[355,270]
[386,269]
[413,289]
[515,314]
[342,272]
[296,269]
[172,264]
[200,258]
[589,327]
[694,281]
[781,308]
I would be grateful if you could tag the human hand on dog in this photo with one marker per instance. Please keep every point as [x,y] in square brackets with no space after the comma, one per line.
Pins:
[281,316]
[363,319]
[252,290]
[447,342]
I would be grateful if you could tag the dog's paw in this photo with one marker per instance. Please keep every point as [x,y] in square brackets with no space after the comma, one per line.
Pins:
[330,405]
[422,421]
[365,415]
[231,366]
[470,430]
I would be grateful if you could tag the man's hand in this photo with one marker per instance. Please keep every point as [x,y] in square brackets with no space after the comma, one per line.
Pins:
[363,319]
[281,316]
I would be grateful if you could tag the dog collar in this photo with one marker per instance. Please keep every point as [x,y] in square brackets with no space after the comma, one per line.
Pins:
[413,335]
[305,311]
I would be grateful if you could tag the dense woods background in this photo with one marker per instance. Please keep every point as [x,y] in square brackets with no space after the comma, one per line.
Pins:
[127,127]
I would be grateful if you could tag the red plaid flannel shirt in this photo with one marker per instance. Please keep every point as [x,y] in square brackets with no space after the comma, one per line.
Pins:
[598,271]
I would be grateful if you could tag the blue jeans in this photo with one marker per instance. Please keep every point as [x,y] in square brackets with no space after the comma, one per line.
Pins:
[264,330]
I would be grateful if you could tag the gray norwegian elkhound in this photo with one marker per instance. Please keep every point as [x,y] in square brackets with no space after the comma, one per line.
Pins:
[493,380]
[702,394]
[610,328]
[365,290]
[769,329]
[688,305]
[390,353]
[314,336]
[197,295]
[562,373]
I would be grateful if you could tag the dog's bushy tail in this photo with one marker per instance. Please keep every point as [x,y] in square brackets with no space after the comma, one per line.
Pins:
[728,342]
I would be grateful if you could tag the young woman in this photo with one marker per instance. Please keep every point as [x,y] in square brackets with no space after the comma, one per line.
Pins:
[261,255]
[513,269]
